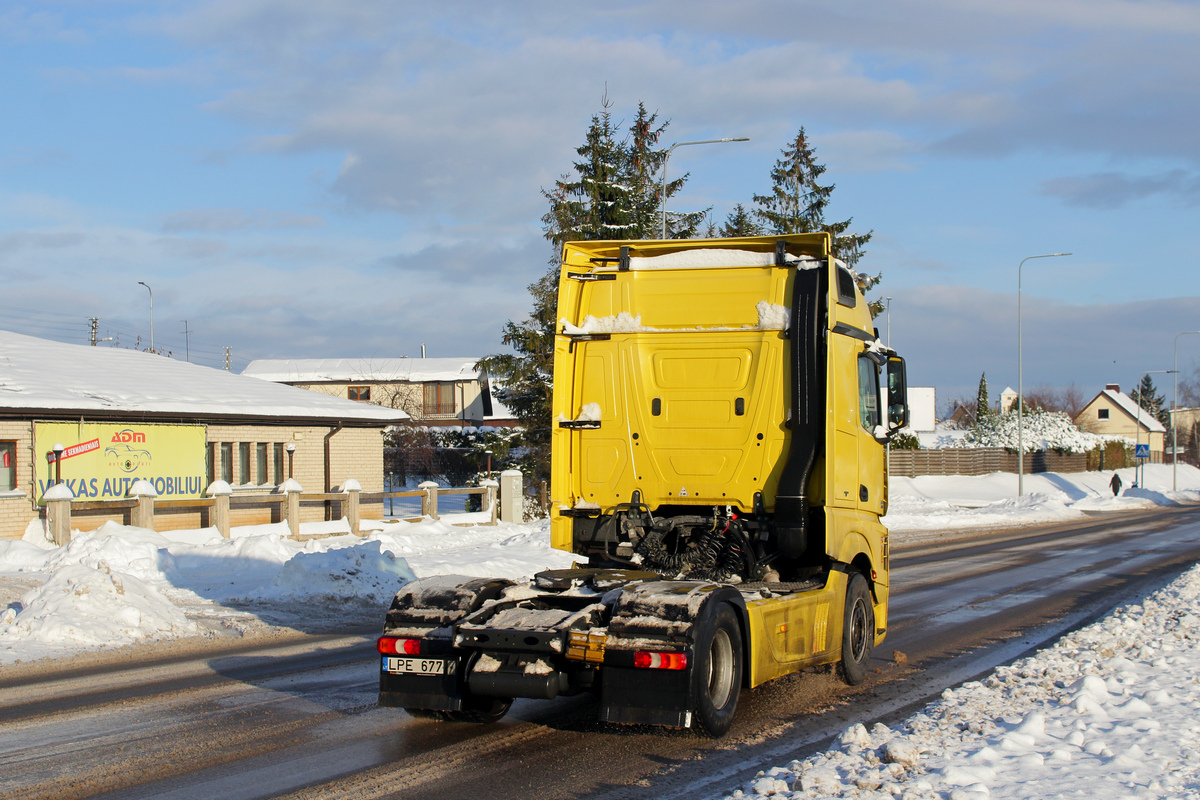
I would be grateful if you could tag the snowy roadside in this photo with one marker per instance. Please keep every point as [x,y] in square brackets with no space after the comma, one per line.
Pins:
[121,585]
[1107,711]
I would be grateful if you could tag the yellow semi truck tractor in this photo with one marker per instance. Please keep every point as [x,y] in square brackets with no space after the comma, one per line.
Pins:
[718,467]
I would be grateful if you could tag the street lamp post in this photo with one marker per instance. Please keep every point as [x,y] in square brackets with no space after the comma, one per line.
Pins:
[151,291]
[663,188]
[1137,431]
[1175,408]
[1021,380]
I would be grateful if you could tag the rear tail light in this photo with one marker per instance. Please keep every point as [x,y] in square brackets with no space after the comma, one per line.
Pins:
[645,659]
[391,646]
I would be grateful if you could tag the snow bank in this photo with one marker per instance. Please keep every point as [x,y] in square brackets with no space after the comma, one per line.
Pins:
[936,502]
[1109,709]
[120,584]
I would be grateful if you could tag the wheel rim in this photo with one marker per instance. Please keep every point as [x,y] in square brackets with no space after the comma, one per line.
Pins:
[720,669]
[858,630]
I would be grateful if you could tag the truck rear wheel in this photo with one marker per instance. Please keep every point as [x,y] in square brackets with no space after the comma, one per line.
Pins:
[481,710]
[858,630]
[717,674]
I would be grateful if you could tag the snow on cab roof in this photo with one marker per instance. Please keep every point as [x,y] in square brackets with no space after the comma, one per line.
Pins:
[710,258]
[42,375]
[416,370]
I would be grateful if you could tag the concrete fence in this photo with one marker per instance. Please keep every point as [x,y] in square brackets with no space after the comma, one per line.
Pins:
[501,498]
[980,461]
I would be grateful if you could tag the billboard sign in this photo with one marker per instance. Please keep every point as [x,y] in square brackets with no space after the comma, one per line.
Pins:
[101,461]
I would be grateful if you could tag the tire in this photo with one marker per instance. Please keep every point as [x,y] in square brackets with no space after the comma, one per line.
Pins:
[717,673]
[858,630]
[481,710]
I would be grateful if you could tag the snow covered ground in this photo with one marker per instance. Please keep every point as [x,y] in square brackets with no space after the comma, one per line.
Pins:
[1109,709]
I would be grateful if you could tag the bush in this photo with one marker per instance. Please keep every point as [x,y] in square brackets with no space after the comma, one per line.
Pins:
[905,441]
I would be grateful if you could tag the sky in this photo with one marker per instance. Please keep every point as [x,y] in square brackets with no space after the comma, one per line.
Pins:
[359,179]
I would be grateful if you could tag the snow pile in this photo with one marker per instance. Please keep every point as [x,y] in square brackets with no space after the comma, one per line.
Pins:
[363,572]
[713,258]
[934,502]
[621,323]
[94,606]
[772,317]
[120,584]
[1111,707]
[1040,430]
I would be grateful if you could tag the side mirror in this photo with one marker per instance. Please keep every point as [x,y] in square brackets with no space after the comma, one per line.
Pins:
[897,392]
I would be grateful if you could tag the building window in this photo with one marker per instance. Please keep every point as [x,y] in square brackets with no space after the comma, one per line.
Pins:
[8,466]
[1102,413]
[227,462]
[439,399]
[360,393]
[260,473]
[279,473]
[243,463]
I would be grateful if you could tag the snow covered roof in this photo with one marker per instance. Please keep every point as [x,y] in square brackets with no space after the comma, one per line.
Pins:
[1127,404]
[337,370]
[44,376]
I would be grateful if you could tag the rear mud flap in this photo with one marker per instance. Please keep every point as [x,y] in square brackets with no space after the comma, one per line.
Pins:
[646,697]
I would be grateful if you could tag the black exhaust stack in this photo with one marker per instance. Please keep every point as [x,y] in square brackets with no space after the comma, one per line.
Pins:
[807,359]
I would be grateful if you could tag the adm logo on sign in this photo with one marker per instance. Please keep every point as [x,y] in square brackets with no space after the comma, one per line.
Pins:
[123,455]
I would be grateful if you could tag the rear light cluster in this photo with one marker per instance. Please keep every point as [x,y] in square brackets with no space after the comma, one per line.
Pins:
[645,659]
[391,646]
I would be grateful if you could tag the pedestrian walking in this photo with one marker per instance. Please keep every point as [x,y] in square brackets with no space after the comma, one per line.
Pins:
[1115,483]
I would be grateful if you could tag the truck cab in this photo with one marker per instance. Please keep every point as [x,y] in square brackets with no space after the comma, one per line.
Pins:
[719,442]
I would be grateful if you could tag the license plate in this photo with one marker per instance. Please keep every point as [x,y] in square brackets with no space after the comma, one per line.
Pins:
[417,666]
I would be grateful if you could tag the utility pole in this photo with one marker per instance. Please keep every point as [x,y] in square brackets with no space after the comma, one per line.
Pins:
[227,359]
[187,343]
[95,324]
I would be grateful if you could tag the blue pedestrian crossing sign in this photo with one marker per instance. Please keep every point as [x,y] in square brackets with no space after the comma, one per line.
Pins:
[1142,451]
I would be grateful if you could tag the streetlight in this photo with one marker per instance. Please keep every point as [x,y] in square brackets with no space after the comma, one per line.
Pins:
[671,149]
[291,451]
[1175,408]
[1137,430]
[151,291]
[1021,379]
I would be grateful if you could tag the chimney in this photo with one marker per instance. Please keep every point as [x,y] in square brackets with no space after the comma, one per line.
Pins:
[1113,387]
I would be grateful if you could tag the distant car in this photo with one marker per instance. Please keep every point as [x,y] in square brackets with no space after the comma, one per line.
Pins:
[128,458]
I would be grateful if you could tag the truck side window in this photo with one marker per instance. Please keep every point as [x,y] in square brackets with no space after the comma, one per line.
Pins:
[868,394]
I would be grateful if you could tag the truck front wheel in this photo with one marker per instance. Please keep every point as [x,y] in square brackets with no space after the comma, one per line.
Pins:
[717,674]
[858,630]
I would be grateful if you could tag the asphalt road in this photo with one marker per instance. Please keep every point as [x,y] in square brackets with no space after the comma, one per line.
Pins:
[298,719]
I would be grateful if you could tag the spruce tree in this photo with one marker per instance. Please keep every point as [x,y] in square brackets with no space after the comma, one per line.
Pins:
[740,222]
[594,203]
[797,204]
[983,406]
[1147,396]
